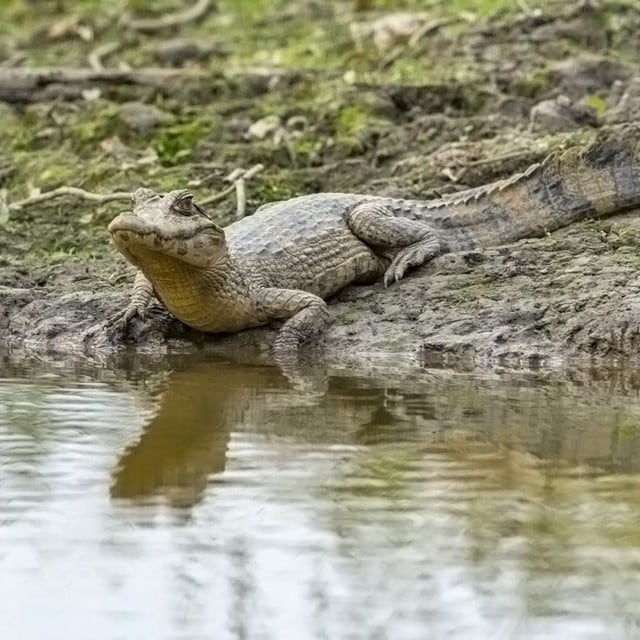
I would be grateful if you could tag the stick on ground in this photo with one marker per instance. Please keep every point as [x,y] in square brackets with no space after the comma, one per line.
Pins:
[149,25]
[70,191]
[237,178]
[234,177]
[96,56]
[24,85]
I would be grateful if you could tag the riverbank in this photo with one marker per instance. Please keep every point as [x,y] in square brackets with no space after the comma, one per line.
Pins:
[327,98]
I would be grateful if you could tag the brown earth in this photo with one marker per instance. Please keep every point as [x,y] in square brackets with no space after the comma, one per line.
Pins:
[522,84]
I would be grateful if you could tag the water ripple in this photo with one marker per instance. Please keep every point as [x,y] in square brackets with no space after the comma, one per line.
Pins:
[213,502]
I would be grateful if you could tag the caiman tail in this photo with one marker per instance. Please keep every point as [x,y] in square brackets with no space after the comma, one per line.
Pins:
[598,180]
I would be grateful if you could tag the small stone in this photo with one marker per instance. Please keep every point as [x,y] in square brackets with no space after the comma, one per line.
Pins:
[264,127]
[624,100]
[179,51]
[142,118]
[388,30]
[561,114]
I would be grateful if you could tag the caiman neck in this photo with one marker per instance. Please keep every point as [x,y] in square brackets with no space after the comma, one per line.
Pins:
[186,290]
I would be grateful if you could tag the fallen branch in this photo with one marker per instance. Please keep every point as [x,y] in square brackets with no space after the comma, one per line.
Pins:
[20,85]
[102,51]
[238,179]
[149,25]
[14,60]
[69,191]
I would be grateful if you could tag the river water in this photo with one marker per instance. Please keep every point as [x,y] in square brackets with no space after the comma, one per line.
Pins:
[192,499]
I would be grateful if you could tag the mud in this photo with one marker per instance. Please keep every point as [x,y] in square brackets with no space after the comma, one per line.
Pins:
[473,100]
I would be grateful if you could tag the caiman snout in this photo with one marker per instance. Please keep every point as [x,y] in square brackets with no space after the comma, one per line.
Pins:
[171,225]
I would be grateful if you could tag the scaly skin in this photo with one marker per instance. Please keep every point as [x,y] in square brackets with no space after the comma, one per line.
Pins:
[283,261]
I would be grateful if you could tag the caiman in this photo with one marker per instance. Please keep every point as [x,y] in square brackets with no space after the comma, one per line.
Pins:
[283,261]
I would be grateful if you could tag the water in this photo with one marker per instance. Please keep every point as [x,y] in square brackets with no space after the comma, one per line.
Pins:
[206,500]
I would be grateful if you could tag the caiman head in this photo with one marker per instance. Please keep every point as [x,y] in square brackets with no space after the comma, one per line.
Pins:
[163,230]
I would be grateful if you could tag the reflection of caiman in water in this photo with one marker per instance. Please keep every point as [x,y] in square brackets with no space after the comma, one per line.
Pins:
[186,440]
[204,403]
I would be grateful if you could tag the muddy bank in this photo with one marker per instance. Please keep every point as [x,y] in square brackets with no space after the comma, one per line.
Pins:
[538,302]
[409,106]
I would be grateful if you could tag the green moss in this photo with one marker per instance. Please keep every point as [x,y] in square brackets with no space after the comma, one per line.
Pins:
[16,132]
[46,170]
[628,430]
[175,142]
[297,36]
[308,150]
[252,10]
[352,120]
[596,102]
[313,47]
[535,84]
[278,186]
[144,7]
[95,122]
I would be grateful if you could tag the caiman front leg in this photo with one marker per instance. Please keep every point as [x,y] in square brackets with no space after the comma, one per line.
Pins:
[306,317]
[411,243]
[141,296]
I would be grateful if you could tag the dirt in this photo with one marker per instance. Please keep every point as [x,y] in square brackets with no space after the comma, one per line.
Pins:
[328,98]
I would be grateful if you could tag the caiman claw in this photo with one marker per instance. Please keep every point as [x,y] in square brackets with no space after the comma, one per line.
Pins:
[120,320]
[141,298]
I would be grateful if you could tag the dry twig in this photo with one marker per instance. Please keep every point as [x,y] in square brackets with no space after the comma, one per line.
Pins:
[69,191]
[149,25]
[14,60]
[100,52]
[238,179]
[20,85]
[426,29]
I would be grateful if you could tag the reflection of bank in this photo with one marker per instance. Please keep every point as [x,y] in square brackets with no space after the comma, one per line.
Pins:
[186,442]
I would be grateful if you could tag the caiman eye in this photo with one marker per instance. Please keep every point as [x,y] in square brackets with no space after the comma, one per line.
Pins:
[183,204]
[182,209]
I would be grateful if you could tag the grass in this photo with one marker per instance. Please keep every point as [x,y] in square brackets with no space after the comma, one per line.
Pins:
[64,143]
